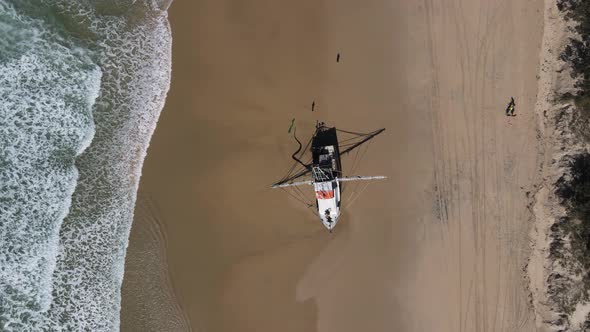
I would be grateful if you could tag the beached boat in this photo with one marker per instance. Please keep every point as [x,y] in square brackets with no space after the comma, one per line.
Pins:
[325,170]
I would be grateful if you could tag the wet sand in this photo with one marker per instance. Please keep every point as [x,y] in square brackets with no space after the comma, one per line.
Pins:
[148,299]
[439,246]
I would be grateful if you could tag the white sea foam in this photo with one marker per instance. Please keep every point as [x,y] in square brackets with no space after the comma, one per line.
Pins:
[134,55]
[67,275]
[46,94]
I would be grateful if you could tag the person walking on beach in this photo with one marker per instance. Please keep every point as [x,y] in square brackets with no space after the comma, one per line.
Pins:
[313,106]
[510,108]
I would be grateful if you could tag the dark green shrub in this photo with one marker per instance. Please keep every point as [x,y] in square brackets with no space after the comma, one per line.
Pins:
[574,191]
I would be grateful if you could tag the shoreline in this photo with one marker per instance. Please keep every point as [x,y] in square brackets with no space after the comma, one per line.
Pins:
[149,301]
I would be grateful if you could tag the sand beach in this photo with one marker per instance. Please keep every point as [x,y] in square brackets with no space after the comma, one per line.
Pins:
[439,246]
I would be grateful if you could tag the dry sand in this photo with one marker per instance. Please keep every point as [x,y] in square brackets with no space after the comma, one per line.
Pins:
[440,246]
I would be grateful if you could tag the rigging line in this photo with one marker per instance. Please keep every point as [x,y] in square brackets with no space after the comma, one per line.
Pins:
[355,167]
[357,196]
[308,203]
[346,144]
[355,162]
[297,191]
[343,145]
[351,196]
[291,169]
[294,170]
[352,168]
[350,139]
[302,195]
[362,155]
[294,175]
[296,198]
[367,138]
[353,133]
[304,168]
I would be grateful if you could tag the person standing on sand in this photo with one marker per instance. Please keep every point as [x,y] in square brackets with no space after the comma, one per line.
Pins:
[313,106]
[510,108]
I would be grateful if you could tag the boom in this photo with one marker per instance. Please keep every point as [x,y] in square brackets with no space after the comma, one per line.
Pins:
[292,184]
[369,136]
[343,179]
[361,178]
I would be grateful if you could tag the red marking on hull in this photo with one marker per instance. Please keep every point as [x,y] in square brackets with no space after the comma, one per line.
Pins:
[324,194]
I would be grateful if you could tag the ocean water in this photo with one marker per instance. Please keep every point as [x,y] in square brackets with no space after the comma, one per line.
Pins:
[82,84]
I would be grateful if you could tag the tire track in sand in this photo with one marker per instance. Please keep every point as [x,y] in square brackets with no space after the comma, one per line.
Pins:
[484,161]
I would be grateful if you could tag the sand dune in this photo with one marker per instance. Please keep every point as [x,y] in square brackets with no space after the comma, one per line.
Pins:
[440,246]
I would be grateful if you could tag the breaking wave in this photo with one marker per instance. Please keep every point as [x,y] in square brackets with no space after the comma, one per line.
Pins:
[82,86]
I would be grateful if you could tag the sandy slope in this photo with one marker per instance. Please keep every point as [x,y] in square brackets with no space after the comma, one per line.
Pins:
[440,246]
[559,126]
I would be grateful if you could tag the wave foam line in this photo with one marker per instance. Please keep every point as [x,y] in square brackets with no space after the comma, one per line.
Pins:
[135,59]
[48,88]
